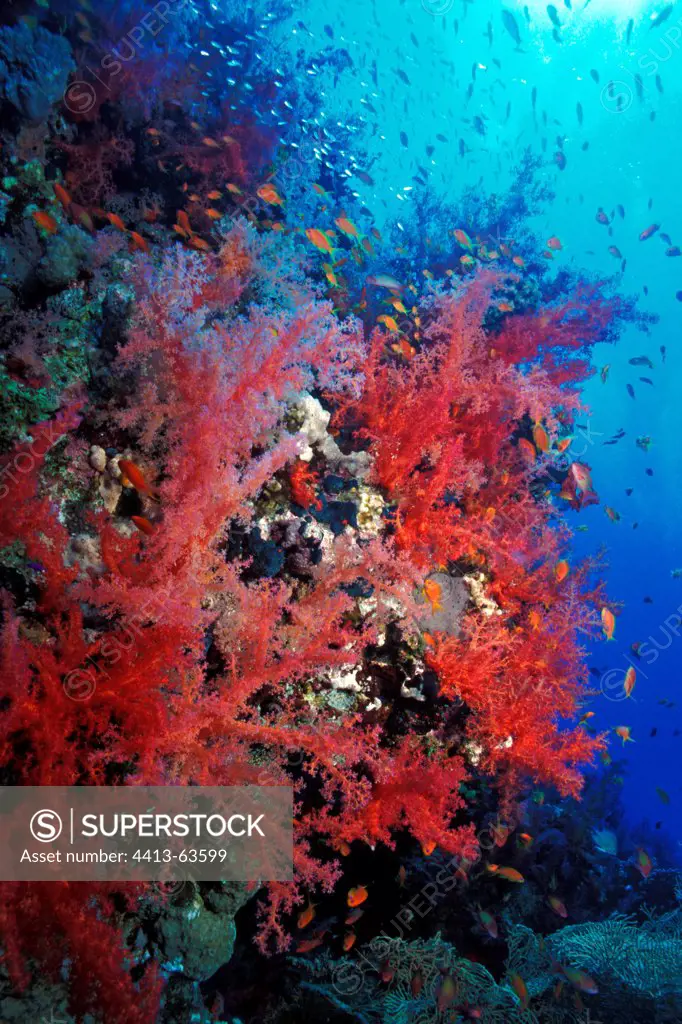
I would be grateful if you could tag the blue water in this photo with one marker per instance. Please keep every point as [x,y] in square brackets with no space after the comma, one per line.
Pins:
[626,152]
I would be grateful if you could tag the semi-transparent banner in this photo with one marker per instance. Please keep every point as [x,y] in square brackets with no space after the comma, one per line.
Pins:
[146,833]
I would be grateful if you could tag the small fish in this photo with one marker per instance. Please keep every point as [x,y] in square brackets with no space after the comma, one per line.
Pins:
[384,281]
[541,438]
[553,15]
[663,796]
[143,525]
[511,25]
[462,238]
[629,682]
[608,622]
[447,991]
[62,195]
[641,361]
[488,923]
[561,570]
[389,322]
[45,221]
[416,983]
[354,916]
[510,874]
[557,906]
[630,390]
[612,514]
[349,941]
[661,17]
[306,916]
[643,863]
[623,731]
[357,895]
[648,232]
[307,945]
[138,242]
[554,243]
[116,221]
[135,476]
[560,159]
[519,986]
[319,239]
[347,226]
[580,980]
[269,194]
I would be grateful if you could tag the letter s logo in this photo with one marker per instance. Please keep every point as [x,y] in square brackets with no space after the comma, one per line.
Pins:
[46,826]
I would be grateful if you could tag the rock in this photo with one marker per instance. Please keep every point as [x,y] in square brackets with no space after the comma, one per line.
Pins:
[97,458]
[34,68]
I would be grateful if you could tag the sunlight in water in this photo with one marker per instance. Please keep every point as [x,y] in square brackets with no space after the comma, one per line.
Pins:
[596,10]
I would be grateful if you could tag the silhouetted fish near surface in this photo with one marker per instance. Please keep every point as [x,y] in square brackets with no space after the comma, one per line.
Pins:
[658,19]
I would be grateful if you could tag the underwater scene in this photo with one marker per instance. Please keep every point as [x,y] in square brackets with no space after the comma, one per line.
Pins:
[340,411]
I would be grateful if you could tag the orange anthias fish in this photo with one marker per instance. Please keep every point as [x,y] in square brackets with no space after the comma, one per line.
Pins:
[307,945]
[62,195]
[347,226]
[136,477]
[349,941]
[45,221]
[608,622]
[143,525]
[200,244]
[519,986]
[319,239]
[183,221]
[554,243]
[138,242]
[433,593]
[269,194]
[462,238]
[541,438]
[428,846]
[643,863]
[527,449]
[561,570]
[116,221]
[557,906]
[306,916]
[511,874]
[630,680]
[624,732]
[389,322]
[357,895]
